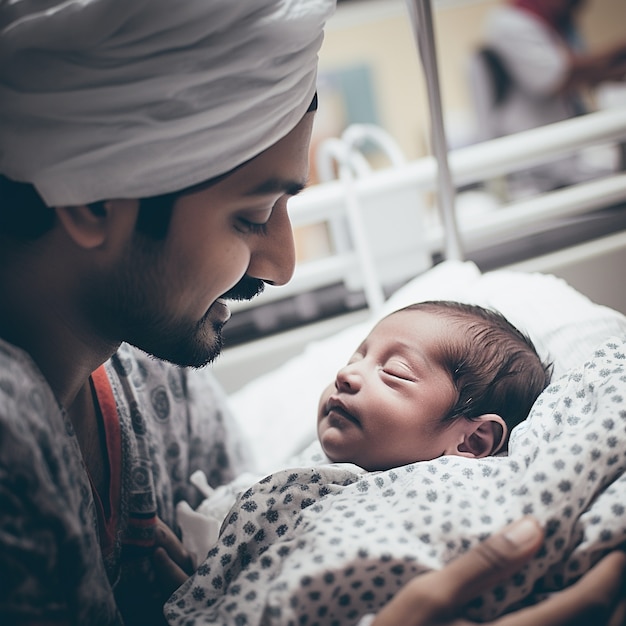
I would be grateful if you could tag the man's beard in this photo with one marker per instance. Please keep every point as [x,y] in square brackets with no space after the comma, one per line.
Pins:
[246,289]
[127,306]
[190,350]
[181,342]
[193,349]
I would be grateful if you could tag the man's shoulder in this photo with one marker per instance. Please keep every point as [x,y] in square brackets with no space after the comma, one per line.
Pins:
[35,431]
[16,362]
[24,392]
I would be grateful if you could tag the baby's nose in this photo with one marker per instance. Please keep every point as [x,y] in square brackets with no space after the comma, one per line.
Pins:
[348,379]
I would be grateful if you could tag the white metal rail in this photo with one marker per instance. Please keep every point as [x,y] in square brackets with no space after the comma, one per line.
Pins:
[324,202]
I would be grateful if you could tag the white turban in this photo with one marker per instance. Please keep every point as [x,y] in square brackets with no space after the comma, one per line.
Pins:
[108,99]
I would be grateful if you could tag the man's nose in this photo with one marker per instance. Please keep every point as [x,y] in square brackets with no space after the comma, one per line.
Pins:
[274,258]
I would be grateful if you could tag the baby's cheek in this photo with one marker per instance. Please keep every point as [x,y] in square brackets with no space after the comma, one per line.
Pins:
[328,391]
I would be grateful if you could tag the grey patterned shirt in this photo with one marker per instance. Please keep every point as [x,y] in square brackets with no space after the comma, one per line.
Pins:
[172,421]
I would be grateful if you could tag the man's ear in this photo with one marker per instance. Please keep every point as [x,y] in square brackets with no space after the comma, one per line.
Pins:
[483,436]
[90,226]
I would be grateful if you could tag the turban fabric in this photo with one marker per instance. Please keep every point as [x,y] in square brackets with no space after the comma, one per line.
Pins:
[108,99]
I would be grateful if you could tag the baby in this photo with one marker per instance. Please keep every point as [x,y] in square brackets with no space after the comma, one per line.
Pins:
[434,378]
[430,379]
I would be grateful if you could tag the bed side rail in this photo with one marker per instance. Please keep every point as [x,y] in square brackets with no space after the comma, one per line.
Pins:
[382,232]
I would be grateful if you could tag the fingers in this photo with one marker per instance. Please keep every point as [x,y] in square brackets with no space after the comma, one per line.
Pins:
[169,575]
[166,539]
[172,563]
[495,559]
[597,598]
[437,597]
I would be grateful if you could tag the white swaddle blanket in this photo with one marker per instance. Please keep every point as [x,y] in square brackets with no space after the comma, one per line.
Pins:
[105,99]
[327,545]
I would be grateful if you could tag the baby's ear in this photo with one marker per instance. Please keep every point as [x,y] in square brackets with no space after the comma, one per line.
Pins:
[484,436]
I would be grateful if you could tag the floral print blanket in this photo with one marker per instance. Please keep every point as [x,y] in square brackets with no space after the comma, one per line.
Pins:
[328,544]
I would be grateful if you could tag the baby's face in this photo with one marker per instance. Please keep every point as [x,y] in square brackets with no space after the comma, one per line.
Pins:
[385,407]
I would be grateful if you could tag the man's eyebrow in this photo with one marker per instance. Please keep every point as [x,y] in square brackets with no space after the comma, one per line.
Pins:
[277,185]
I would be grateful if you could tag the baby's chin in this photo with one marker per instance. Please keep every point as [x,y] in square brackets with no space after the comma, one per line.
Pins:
[335,450]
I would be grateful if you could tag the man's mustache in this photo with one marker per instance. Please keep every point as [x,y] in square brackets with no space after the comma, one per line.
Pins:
[246,289]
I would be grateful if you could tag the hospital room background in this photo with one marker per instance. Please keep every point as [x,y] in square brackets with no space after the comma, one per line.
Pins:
[351,253]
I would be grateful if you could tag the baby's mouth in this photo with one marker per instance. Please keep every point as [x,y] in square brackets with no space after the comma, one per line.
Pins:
[337,408]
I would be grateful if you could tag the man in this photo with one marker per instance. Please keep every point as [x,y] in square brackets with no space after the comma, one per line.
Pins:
[147,153]
[103,267]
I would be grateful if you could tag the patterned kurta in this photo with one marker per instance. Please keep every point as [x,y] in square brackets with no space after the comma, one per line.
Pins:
[161,424]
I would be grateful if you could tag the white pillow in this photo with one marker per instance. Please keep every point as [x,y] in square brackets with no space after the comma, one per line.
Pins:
[563,323]
[277,411]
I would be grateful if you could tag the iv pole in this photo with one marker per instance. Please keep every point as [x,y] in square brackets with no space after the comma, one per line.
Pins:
[421,19]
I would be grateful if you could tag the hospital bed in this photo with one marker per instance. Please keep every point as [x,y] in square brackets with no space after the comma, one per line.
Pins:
[325,544]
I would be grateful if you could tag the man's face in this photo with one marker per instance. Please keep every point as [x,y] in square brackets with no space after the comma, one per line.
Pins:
[385,407]
[165,295]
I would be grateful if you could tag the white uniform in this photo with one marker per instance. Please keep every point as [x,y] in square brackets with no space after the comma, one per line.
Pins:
[536,60]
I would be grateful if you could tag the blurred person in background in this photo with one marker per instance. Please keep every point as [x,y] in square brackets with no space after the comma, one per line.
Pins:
[534,69]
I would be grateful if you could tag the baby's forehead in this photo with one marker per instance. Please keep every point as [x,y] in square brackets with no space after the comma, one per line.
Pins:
[414,318]
[411,326]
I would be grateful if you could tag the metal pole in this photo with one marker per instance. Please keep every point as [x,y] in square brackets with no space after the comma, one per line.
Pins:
[421,19]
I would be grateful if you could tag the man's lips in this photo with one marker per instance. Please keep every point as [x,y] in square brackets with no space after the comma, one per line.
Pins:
[335,406]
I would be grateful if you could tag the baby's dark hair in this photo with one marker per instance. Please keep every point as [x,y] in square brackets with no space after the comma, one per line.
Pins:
[496,369]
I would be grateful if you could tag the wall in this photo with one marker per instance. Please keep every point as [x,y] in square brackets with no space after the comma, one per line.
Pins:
[378,33]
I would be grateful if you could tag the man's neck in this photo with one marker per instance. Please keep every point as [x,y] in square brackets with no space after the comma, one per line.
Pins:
[39,317]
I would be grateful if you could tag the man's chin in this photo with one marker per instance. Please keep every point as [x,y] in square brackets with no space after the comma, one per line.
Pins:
[202,353]
[194,350]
